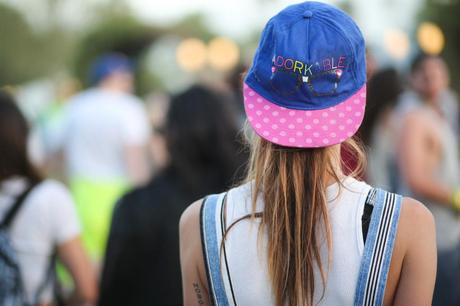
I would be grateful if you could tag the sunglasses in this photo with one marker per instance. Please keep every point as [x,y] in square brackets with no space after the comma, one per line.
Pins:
[288,83]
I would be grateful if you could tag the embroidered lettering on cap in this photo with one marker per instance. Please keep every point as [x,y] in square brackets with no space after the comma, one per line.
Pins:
[306,69]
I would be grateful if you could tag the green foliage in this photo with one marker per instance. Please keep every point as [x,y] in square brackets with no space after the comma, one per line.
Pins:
[25,54]
[119,31]
[116,34]
[17,39]
[193,25]
[346,5]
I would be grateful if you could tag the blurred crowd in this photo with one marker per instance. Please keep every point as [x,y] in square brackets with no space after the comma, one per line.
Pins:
[105,175]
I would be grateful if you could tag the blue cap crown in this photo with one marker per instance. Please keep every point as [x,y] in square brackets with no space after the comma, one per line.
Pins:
[311,56]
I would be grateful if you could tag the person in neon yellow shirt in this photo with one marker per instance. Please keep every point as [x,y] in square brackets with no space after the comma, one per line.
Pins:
[103,139]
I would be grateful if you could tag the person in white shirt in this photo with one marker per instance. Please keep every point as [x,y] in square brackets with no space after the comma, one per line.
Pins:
[45,223]
[104,137]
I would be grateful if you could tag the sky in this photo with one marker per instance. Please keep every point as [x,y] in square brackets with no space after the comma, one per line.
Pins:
[235,18]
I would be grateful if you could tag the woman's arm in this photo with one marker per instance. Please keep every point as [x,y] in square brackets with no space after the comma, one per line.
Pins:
[417,230]
[194,284]
[74,258]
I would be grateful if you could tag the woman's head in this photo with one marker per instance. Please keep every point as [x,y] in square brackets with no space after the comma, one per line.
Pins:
[202,139]
[14,131]
[305,97]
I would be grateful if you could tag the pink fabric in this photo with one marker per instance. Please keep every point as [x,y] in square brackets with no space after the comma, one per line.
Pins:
[303,128]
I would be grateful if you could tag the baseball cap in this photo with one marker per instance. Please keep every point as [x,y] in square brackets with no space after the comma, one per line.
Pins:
[107,64]
[307,85]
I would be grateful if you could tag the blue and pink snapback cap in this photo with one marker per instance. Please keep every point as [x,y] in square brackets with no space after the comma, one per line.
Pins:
[307,84]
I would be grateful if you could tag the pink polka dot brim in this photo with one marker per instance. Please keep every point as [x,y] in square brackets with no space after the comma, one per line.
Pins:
[304,128]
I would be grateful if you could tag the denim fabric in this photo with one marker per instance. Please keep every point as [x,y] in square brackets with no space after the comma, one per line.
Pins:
[382,233]
[212,250]
[389,251]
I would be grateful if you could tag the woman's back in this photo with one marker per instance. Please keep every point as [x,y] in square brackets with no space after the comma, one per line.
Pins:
[247,273]
[410,278]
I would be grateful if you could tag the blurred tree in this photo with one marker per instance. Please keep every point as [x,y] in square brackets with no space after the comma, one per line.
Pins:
[446,14]
[347,6]
[115,32]
[118,30]
[193,25]
[17,39]
[25,54]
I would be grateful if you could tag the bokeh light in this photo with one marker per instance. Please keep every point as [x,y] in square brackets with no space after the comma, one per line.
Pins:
[396,43]
[191,54]
[223,53]
[430,38]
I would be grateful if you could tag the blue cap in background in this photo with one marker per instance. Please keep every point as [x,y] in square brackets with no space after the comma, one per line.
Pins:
[107,64]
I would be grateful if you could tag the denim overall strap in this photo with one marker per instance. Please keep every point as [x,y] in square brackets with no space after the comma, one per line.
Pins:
[210,243]
[378,249]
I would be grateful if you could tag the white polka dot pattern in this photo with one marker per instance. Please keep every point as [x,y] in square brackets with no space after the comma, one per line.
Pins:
[305,129]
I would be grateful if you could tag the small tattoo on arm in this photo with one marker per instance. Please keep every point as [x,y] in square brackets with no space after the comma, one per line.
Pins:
[198,293]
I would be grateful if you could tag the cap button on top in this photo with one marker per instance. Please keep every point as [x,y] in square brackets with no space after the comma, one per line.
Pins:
[307,14]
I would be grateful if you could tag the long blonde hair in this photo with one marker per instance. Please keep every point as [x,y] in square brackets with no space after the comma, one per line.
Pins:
[293,185]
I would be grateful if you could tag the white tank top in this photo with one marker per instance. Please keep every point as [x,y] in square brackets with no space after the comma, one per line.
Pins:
[247,281]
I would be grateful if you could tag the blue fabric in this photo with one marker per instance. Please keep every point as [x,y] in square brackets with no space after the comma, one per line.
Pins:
[307,52]
[212,250]
[384,212]
[107,64]
[389,251]
[369,248]
[11,290]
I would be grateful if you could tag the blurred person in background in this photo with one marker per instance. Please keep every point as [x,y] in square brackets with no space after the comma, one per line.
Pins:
[446,100]
[371,64]
[378,131]
[429,163]
[233,81]
[349,159]
[47,127]
[157,107]
[44,222]
[142,264]
[104,137]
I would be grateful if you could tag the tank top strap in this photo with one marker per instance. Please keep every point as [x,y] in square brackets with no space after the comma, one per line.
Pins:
[211,237]
[378,250]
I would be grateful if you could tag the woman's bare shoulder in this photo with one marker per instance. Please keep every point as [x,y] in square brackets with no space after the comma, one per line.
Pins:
[413,265]
[414,245]
[190,219]
[415,217]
